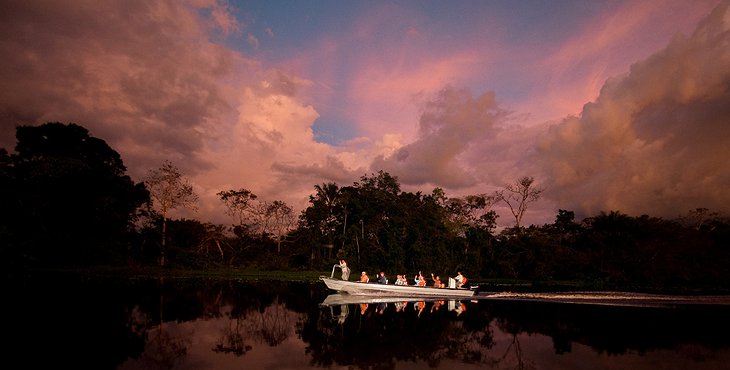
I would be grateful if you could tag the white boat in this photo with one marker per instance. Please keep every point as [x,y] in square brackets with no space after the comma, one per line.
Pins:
[375,289]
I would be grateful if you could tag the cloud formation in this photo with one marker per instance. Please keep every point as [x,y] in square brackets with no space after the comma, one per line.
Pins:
[450,123]
[656,141]
[146,77]
[459,106]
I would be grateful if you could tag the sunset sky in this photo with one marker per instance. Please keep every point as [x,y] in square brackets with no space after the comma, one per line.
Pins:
[609,105]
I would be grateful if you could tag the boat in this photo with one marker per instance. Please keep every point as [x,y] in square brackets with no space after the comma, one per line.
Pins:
[376,289]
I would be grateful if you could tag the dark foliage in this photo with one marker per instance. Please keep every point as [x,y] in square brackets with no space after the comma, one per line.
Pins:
[67,201]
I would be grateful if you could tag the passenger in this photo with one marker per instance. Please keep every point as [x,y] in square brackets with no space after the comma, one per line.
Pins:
[399,280]
[460,280]
[364,278]
[345,270]
[403,280]
[437,281]
[382,279]
[420,280]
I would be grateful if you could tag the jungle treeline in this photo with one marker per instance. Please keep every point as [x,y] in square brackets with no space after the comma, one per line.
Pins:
[66,201]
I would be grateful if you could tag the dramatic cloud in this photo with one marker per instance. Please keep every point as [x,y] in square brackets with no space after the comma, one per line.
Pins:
[145,77]
[251,95]
[449,125]
[656,141]
[134,72]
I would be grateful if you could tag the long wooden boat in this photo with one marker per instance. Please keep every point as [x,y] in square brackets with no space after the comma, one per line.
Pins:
[375,289]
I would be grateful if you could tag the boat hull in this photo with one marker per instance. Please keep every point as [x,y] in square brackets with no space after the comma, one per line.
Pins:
[374,289]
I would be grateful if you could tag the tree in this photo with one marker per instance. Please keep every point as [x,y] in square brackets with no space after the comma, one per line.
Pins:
[279,221]
[698,217]
[239,204]
[169,190]
[471,211]
[275,219]
[328,198]
[518,195]
[66,198]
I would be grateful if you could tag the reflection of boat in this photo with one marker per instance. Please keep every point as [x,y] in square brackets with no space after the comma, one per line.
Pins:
[345,299]
[401,303]
[374,289]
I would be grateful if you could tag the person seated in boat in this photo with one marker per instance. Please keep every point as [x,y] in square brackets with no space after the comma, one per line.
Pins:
[437,281]
[420,280]
[345,270]
[364,278]
[382,279]
[403,280]
[460,280]
[398,280]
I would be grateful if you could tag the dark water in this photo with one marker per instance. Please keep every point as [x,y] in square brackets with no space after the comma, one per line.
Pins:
[198,324]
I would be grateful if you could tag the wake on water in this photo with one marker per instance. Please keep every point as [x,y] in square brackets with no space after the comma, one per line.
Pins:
[610,298]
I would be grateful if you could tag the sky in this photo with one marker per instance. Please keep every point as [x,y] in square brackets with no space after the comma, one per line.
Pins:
[609,105]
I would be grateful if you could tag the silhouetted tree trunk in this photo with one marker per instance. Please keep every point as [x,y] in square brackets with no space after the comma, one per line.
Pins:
[169,190]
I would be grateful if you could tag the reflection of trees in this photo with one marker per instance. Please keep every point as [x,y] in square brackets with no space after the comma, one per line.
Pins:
[232,339]
[163,349]
[272,325]
[516,361]
[257,312]
[379,341]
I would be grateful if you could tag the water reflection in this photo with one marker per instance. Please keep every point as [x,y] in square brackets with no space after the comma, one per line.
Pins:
[382,304]
[192,324]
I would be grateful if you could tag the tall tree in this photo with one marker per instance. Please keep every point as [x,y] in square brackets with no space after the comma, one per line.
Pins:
[327,199]
[169,190]
[66,198]
[518,195]
[279,221]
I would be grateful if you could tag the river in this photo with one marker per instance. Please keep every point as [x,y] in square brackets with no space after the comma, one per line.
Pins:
[130,324]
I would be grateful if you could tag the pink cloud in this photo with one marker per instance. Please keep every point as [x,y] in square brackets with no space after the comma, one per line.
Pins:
[655,140]
[575,70]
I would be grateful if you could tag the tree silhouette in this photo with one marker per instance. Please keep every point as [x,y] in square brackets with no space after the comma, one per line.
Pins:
[66,198]
[518,195]
[169,190]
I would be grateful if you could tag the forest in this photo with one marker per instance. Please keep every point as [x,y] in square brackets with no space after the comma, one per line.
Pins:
[67,201]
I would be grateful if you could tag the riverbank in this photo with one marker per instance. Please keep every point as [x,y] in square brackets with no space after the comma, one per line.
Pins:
[492,285]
